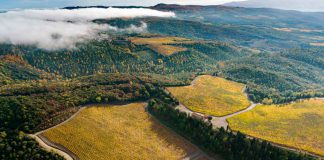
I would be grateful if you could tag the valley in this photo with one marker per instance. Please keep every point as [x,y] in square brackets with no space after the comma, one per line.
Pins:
[161,82]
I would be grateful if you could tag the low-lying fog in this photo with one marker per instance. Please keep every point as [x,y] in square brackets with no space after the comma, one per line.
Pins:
[61,28]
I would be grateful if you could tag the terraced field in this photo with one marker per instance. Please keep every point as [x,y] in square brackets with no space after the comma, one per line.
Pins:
[212,95]
[162,45]
[120,132]
[297,125]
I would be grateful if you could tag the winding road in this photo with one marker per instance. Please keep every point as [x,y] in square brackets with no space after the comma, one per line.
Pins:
[69,155]
[218,122]
[54,147]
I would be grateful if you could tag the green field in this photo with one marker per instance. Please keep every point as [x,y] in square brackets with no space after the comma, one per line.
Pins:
[119,132]
[212,95]
[297,125]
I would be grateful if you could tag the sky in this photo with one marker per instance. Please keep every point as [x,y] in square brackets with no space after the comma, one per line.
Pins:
[300,5]
[12,4]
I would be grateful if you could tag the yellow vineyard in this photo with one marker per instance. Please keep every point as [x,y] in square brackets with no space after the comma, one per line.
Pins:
[162,45]
[212,95]
[297,125]
[119,132]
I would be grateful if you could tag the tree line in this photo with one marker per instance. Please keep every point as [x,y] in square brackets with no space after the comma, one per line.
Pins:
[232,146]
[33,106]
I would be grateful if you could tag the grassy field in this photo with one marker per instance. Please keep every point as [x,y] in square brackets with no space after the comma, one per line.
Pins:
[212,95]
[119,132]
[162,45]
[298,124]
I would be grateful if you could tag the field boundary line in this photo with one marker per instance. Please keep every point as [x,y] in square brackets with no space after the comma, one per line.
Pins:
[48,147]
[200,151]
[67,120]
[221,121]
[58,148]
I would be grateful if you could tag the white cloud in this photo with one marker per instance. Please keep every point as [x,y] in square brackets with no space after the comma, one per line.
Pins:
[60,28]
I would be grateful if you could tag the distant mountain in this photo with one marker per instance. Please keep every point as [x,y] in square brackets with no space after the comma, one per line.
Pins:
[81,7]
[265,17]
[300,5]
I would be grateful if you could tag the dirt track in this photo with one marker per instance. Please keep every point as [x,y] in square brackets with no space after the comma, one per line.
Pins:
[53,147]
[219,122]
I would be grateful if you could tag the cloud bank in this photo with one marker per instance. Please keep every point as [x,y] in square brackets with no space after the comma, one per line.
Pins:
[61,28]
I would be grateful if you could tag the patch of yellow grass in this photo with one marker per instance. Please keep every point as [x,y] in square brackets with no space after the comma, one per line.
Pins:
[299,124]
[283,29]
[162,45]
[167,50]
[119,132]
[296,30]
[212,95]
[159,40]
[317,44]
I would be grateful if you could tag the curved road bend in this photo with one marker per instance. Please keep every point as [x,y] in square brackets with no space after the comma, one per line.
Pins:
[53,147]
[48,147]
[218,122]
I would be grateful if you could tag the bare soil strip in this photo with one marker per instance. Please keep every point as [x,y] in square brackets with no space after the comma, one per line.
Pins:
[58,146]
[54,147]
[48,147]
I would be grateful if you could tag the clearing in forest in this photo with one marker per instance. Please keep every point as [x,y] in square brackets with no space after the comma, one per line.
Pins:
[162,45]
[317,44]
[212,95]
[119,132]
[298,124]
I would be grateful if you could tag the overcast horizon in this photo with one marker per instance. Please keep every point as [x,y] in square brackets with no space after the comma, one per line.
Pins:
[13,4]
[300,5]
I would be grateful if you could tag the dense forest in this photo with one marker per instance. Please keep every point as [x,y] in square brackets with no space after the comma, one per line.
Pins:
[17,145]
[280,76]
[30,107]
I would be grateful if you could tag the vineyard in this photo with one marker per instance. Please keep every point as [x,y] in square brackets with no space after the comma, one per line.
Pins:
[119,132]
[212,95]
[297,124]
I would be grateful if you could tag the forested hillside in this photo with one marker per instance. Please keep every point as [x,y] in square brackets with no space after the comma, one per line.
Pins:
[32,106]
[14,69]
[272,75]
[278,54]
